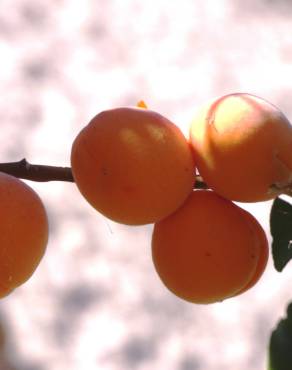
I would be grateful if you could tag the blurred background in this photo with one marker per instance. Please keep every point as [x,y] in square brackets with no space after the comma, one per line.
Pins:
[95,302]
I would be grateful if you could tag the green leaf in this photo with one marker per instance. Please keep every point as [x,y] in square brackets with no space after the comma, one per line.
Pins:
[281,230]
[280,347]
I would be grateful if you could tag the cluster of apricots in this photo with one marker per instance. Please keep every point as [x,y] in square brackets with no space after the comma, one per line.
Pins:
[136,167]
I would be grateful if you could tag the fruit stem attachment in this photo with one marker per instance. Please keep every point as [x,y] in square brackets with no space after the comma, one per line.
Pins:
[199,183]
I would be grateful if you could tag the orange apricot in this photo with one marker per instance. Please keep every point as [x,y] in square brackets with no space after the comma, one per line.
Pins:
[263,253]
[23,232]
[206,251]
[242,146]
[133,165]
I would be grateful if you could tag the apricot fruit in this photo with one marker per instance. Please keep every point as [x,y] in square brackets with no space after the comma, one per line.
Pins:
[133,165]
[263,253]
[208,250]
[23,232]
[242,146]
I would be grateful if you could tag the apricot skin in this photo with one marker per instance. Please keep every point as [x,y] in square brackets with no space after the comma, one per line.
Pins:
[133,165]
[23,232]
[242,146]
[263,252]
[206,251]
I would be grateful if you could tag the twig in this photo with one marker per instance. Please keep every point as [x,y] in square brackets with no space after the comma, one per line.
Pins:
[41,173]
[37,172]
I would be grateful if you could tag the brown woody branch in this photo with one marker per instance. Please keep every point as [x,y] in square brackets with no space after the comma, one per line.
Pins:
[41,173]
[37,172]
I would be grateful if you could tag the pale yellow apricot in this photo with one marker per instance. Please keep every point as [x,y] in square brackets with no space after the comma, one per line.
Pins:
[242,146]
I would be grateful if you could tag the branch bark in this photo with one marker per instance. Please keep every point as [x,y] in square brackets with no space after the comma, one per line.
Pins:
[41,173]
[37,172]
